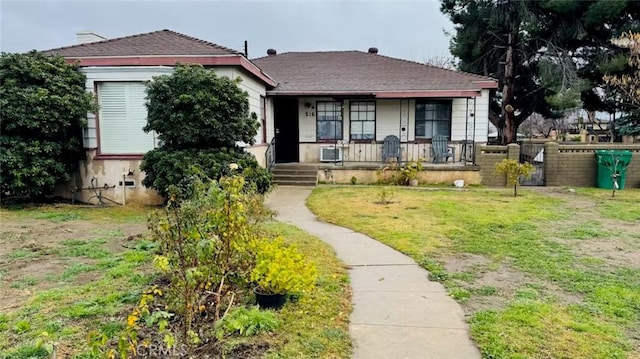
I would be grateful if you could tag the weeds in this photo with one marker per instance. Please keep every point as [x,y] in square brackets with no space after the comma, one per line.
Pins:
[246,322]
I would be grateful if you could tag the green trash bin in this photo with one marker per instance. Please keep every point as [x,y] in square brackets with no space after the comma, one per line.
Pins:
[612,165]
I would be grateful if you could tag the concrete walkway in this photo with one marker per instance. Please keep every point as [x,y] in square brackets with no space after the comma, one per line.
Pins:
[397,311]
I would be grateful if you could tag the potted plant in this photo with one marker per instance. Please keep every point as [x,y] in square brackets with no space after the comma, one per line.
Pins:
[280,270]
[410,172]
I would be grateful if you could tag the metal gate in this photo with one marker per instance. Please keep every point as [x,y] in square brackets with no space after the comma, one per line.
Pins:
[533,153]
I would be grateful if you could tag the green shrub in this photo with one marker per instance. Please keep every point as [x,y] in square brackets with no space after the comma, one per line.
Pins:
[199,118]
[43,107]
[180,169]
[281,268]
[410,171]
[29,352]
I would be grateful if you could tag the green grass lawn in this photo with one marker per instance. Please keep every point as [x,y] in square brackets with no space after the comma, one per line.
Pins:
[553,275]
[68,270]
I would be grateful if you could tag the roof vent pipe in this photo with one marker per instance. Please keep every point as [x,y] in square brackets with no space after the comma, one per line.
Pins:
[272,52]
[373,50]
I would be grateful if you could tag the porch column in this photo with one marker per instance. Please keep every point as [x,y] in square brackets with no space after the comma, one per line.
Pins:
[513,151]
[551,160]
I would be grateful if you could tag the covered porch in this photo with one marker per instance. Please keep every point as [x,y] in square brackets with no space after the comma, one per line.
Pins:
[345,131]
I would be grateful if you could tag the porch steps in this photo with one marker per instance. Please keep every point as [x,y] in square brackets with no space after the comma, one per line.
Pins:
[294,174]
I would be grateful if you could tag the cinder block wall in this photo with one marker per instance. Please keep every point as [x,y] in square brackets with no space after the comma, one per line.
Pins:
[575,165]
[487,158]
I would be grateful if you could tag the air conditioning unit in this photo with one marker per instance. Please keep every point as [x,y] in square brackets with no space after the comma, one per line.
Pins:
[330,154]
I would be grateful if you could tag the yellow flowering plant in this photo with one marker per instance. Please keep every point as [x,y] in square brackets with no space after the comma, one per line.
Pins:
[281,268]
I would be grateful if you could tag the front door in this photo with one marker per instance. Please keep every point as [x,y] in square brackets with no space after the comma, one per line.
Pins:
[285,111]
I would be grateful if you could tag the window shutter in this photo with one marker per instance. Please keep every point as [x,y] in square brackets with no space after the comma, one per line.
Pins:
[122,116]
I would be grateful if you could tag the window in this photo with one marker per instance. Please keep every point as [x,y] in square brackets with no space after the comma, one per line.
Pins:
[363,120]
[121,118]
[328,121]
[433,118]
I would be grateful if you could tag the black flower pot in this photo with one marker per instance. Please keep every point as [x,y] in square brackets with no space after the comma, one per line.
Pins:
[270,301]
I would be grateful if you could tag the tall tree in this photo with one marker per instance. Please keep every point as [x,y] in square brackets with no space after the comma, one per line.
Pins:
[547,55]
[494,38]
[628,85]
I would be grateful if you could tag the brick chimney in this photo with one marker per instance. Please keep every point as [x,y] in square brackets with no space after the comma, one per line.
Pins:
[88,36]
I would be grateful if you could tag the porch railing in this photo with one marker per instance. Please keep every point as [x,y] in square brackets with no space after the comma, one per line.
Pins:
[410,151]
[270,154]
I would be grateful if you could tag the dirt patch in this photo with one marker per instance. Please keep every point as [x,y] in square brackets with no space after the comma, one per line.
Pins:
[618,246]
[614,252]
[30,253]
[491,287]
[464,262]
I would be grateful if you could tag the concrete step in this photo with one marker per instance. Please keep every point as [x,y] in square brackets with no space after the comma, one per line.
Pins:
[292,179]
[296,165]
[302,176]
[293,182]
[277,172]
[295,174]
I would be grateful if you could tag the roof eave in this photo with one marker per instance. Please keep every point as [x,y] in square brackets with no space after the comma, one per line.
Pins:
[163,60]
[383,94]
[486,84]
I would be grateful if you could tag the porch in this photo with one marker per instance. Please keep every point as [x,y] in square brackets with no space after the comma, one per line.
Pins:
[339,130]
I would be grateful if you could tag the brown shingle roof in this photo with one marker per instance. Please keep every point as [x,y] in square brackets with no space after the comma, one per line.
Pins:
[163,43]
[360,72]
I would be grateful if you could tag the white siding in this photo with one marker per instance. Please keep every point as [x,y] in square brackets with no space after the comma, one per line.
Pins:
[270,123]
[388,114]
[460,118]
[463,117]
[122,116]
[89,134]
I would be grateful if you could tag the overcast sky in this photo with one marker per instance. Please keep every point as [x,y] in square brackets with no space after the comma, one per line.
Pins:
[413,30]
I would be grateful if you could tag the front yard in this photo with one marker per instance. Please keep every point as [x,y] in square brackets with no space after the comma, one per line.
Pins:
[68,270]
[549,274]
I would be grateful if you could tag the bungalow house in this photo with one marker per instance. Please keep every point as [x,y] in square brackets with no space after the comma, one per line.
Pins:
[351,101]
[307,102]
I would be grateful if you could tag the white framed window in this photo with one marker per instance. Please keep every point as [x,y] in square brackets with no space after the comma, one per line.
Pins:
[328,120]
[433,118]
[122,115]
[362,117]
